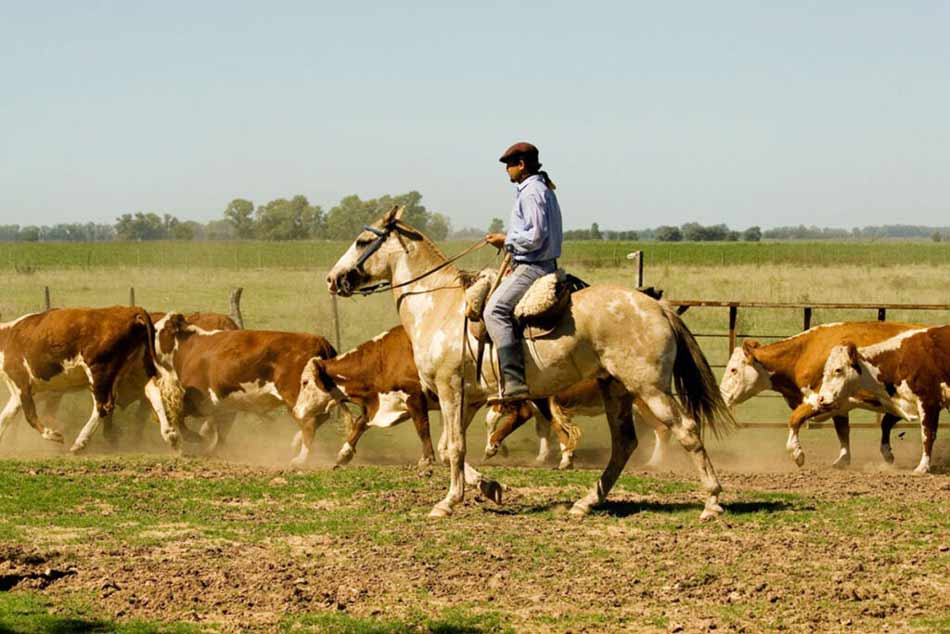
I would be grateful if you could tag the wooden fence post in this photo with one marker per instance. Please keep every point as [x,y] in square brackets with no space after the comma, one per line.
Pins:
[806,324]
[235,302]
[131,296]
[881,314]
[733,317]
[46,301]
[637,257]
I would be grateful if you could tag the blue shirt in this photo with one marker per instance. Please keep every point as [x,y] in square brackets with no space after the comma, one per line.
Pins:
[534,230]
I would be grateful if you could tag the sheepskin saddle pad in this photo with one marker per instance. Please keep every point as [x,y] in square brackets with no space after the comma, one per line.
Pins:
[548,298]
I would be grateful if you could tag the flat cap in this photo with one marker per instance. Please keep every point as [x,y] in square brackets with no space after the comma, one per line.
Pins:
[522,148]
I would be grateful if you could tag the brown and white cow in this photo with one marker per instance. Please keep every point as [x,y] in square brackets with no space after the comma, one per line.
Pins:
[380,376]
[793,367]
[225,372]
[70,349]
[584,399]
[909,374]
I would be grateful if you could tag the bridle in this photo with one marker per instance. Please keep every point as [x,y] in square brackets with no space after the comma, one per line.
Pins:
[381,236]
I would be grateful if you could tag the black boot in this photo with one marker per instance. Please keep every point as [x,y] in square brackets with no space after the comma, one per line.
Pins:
[511,361]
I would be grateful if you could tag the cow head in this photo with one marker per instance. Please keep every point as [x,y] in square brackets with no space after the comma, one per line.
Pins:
[373,256]
[843,376]
[316,395]
[503,419]
[744,376]
[170,331]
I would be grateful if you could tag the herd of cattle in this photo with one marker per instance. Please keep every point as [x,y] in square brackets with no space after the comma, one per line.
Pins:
[203,367]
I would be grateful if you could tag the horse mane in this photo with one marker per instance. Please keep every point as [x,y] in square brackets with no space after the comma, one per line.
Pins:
[466,278]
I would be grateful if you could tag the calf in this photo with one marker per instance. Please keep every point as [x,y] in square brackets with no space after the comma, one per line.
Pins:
[229,371]
[909,375]
[585,399]
[793,367]
[380,376]
[69,349]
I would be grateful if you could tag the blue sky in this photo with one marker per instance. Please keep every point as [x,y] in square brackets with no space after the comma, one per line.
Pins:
[747,113]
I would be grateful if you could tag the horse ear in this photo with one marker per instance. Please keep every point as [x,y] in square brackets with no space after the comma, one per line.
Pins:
[392,215]
[400,211]
[749,346]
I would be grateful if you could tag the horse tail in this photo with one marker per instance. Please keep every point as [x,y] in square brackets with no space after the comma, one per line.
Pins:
[694,380]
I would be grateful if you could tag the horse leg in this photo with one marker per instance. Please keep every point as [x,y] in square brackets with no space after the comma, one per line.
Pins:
[686,430]
[928,433]
[887,424]
[623,441]
[453,436]
[661,436]
[843,431]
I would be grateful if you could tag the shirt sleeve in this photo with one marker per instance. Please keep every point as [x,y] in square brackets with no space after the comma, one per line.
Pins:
[530,233]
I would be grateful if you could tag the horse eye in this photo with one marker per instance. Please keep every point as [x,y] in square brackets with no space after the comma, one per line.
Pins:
[306,383]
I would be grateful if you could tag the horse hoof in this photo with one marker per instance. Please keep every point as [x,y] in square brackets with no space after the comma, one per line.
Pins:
[76,448]
[565,466]
[53,436]
[841,463]
[921,470]
[173,439]
[710,514]
[491,490]
[579,510]
[799,457]
[888,455]
[440,510]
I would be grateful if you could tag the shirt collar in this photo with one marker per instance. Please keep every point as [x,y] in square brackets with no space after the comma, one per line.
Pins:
[524,183]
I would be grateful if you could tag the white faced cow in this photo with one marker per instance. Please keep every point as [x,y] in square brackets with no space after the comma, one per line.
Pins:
[229,371]
[793,368]
[69,349]
[909,374]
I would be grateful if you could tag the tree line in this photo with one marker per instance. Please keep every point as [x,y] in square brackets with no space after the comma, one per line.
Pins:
[297,219]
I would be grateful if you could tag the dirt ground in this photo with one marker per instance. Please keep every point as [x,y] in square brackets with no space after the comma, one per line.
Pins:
[801,551]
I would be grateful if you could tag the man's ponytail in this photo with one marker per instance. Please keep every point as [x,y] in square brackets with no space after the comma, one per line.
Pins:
[547,180]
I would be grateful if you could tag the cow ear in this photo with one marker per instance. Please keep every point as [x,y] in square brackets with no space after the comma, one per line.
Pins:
[854,356]
[749,346]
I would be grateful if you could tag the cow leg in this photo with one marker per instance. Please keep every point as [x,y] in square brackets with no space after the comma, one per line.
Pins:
[356,431]
[9,412]
[29,411]
[51,407]
[887,424]
[103,405]
[843,431]
[170,432]
[623,441]
[307,429]
[542,427]
[928,433]
[419,412]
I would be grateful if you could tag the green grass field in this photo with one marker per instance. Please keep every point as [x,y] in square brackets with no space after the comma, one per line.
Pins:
[251,255]
[158,544]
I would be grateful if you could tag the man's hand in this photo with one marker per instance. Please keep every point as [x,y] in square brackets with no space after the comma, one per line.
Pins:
[497,240]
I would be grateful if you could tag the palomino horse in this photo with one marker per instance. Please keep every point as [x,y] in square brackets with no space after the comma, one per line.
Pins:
[636,347]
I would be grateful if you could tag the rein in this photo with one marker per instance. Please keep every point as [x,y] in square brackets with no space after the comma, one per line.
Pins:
[386,286]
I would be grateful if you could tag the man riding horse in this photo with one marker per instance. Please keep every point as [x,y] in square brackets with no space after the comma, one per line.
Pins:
[534,241]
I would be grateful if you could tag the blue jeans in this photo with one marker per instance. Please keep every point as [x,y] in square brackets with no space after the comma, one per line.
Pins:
[499,317]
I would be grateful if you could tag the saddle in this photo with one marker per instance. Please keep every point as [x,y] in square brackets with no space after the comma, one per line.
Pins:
[537,313]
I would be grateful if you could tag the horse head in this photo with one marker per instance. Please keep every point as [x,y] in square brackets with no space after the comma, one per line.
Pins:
[372,257]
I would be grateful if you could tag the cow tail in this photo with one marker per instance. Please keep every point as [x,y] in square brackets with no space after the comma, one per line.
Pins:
[148,358]
[695,383]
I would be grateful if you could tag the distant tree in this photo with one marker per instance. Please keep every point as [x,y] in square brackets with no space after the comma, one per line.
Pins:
[732,236]
[936,237]
[9,233]
[439,226]
[752,234]
[141,226]
[217,230]
[29,234]
[344,221]
[666,233]
[240,214]
[595,233]
[283,219]
[497,226]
